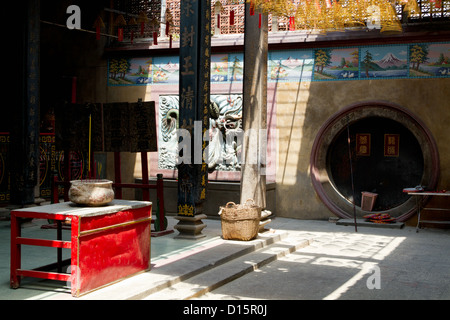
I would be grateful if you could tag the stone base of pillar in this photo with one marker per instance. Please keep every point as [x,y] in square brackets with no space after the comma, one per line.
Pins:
[190,227]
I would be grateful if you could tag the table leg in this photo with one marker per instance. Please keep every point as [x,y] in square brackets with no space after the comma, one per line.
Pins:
[418,204]
[74,258]
[15,251]
[59,250]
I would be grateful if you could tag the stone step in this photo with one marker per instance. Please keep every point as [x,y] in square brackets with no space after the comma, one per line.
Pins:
[166,273]
[209,280]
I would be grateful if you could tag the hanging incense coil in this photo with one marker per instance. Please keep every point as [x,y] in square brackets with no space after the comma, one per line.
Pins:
[142,17]
[331,15]
[99,23]
[132,22]
[120,21]
[389,20]
[411,7]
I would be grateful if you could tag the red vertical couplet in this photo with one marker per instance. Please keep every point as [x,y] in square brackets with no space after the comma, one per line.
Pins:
[259,21]
[291,23]
[252,8]
[218,20]
[170,41]
[74,90]
[98,24]
[120,34]
[155,37]
[232,18]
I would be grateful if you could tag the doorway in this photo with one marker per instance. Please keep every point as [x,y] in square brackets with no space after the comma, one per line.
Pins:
[386,157]
[391,149]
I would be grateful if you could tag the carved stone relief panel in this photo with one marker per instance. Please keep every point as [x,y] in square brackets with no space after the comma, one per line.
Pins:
[225,132]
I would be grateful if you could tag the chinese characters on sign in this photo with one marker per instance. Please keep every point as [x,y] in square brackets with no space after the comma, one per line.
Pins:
[194,88]
[363,144]
[391,145]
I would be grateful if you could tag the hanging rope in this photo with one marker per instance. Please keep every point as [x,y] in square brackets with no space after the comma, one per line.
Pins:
[351,172]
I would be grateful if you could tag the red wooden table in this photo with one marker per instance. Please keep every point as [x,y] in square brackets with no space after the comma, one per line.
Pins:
[107,243]
[419,200]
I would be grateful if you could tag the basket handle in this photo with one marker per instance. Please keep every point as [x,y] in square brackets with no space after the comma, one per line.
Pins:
[230,203]
[249,199]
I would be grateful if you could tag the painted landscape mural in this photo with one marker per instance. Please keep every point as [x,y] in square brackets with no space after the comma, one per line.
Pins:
[336,63]
[227,67]
[420,60]
[384,62]
[290,66]
[125,71]
[429,60]
[165,70]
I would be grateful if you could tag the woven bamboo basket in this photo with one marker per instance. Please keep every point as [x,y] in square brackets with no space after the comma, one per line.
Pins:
[240,222]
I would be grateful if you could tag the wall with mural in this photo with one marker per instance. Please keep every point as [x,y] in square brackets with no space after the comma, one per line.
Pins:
[421,60]
[307,86]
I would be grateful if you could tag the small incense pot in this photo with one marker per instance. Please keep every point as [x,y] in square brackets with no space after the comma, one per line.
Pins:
[91,192]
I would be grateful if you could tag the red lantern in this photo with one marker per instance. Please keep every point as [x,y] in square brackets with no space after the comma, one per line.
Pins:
[291,23]
[232,18]
[98,24]
[120,22]
[120,34]
[74,90]
[142,19]
[132,22]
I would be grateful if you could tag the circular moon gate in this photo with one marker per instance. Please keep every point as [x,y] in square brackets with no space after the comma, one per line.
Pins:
[415,161]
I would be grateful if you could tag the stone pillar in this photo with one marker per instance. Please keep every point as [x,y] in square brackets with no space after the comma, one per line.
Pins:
[163,26]
[24,157]
[253,179]
[194,96]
